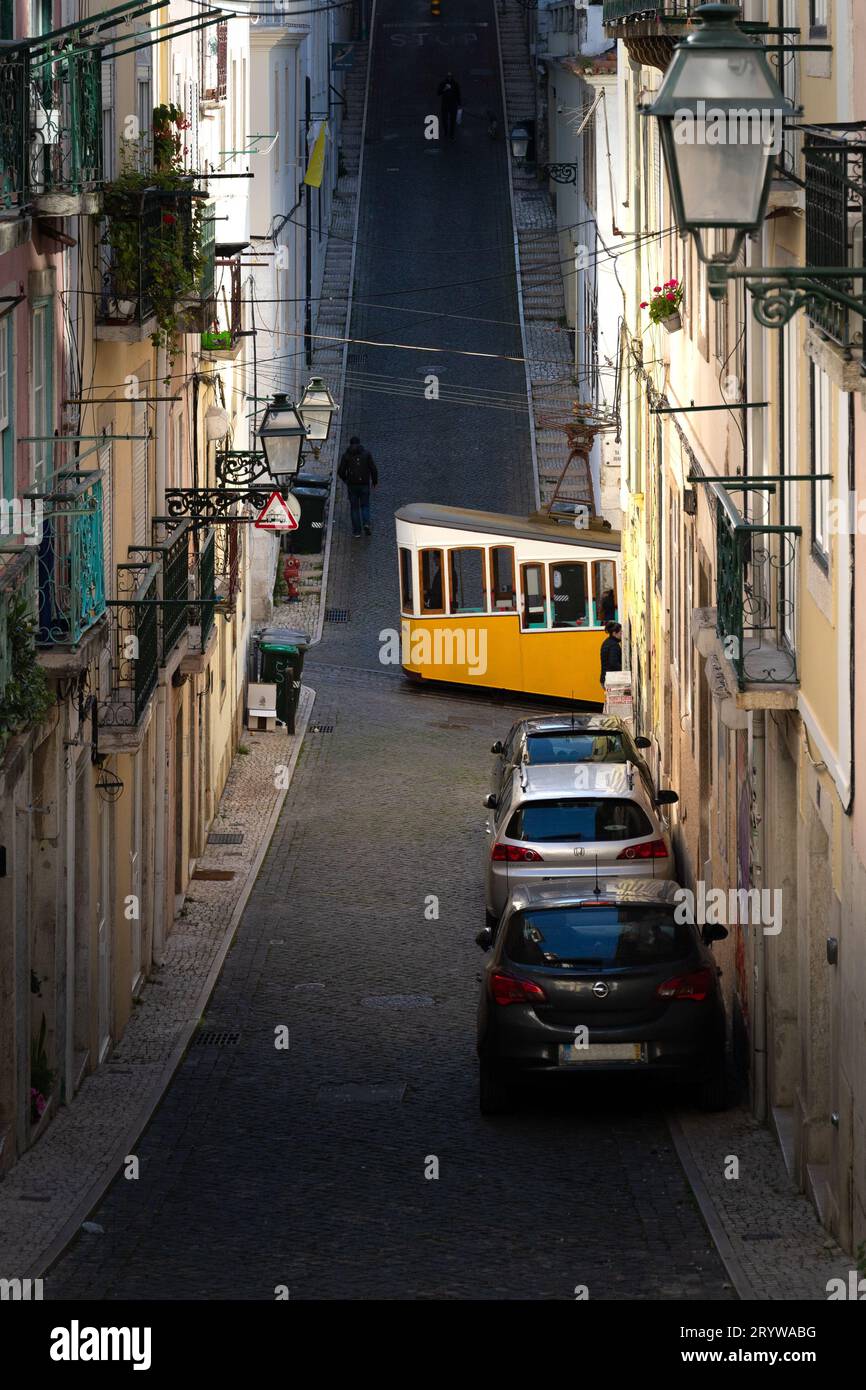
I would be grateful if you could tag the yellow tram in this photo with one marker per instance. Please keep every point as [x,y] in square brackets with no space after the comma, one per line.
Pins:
[506,602]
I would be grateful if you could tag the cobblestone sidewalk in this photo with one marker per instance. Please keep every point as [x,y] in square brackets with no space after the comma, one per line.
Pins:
[49,1192]
[767,1233]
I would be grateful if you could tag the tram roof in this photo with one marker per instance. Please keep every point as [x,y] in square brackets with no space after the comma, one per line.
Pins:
[502,524]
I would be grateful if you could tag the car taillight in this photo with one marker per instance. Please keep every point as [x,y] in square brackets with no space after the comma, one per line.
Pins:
[650,849]
[697,985]
[516,854]
[509,989]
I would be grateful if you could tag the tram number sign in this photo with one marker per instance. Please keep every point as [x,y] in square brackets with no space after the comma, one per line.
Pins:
[279,513]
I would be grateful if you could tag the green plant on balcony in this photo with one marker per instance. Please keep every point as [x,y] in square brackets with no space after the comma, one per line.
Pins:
[168,123]
[665,303]
[27,697]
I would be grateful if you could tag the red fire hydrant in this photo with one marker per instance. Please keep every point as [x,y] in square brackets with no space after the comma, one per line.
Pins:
[291,574]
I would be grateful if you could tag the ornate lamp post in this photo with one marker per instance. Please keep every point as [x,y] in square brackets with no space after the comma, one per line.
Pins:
[316,409]
[282,434]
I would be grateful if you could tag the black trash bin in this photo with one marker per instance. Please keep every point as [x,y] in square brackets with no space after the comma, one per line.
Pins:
[312,493]
[281,662]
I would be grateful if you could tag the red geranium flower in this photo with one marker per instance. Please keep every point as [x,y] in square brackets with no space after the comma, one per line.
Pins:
[644,305]
[169,219]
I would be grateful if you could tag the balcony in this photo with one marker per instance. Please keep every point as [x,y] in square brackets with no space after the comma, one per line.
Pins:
[835,189]
[134,656]
[202,630]
[648,30]
[223,339]
[155,260]
[51,130]
[71,577]
[756,585]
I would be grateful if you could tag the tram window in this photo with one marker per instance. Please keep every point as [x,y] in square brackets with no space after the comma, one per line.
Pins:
[534,607]
[466,574]
[431,581]
[502,578]
[605,605]
[407,598]
[569,594]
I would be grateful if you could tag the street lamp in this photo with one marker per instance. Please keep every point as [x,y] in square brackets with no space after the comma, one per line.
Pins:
[316,408]
[720,112]
[282,433]
[520,138]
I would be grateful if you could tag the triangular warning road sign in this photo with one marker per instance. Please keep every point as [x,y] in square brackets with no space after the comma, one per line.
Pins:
[278,514]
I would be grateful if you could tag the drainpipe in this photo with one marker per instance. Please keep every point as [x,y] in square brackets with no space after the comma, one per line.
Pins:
[161,440]
[759,1023]
[71,848]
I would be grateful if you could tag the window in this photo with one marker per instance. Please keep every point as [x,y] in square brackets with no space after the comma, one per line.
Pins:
[42,394]
[108,151]
[569,594]
[589,745]
[407,598]
[596,936]
[674,579]
[534,606]
[144,99]
[7,398]
[587,820]
[605,604]
[817,19]
[468,592]
[820,405]
[431,581]
[502,578]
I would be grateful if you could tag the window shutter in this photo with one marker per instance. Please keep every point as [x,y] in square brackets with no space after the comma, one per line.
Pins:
[139,476]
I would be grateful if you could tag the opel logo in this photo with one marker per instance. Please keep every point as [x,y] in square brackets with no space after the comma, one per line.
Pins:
[579,851]
[600,989]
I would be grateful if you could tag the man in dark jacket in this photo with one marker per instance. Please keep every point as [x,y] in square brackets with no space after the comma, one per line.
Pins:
[611,650]
[358,471]
[448,92]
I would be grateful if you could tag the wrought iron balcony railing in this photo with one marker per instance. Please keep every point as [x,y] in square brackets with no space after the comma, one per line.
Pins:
[171,552]
[134,645]
[634,11]
[71,573]
[50,126]
[756,579]
[835,165]
[224,333]
[128,254]
[227,563]
[201,613]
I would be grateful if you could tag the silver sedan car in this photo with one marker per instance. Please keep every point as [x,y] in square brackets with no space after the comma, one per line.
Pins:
[575,820]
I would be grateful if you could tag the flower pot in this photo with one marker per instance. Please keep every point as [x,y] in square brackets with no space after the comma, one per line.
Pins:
[672,322]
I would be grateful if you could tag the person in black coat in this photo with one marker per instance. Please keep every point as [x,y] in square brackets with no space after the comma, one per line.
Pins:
[448,92]
[358,471]
[611,649]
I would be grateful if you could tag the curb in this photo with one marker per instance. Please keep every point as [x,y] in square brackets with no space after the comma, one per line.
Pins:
[125,1146]
[712,1220]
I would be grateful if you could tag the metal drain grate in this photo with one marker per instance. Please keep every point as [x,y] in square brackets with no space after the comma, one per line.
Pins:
[320,729]
[357,359]
[225,839]
[213,1039]
[336,615]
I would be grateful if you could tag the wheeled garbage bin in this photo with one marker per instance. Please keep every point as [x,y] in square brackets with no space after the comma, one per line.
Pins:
[312,493]
[281,661]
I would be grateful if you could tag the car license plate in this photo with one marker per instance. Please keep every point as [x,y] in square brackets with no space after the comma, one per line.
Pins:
[570,1054]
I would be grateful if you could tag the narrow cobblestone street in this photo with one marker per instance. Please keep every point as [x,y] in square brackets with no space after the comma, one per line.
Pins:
[306,1167]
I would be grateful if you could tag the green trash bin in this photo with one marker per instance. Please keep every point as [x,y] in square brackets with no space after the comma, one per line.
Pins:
[281,665]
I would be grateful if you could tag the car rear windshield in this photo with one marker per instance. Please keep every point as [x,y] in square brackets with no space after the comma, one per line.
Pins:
[586,746]
[586,818]
[596,936]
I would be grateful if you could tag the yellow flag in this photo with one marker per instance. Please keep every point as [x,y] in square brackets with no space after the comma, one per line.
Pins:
[316,166]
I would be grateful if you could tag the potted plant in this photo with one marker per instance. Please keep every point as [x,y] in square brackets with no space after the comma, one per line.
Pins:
[664,307]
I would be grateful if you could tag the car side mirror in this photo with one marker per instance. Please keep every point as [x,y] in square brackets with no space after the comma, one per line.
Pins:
[484,939]
[666,798]
[642,742]
[713,933]
[497,746]
[490,801]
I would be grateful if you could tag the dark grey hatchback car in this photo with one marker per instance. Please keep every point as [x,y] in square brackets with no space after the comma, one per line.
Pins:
[586,979]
